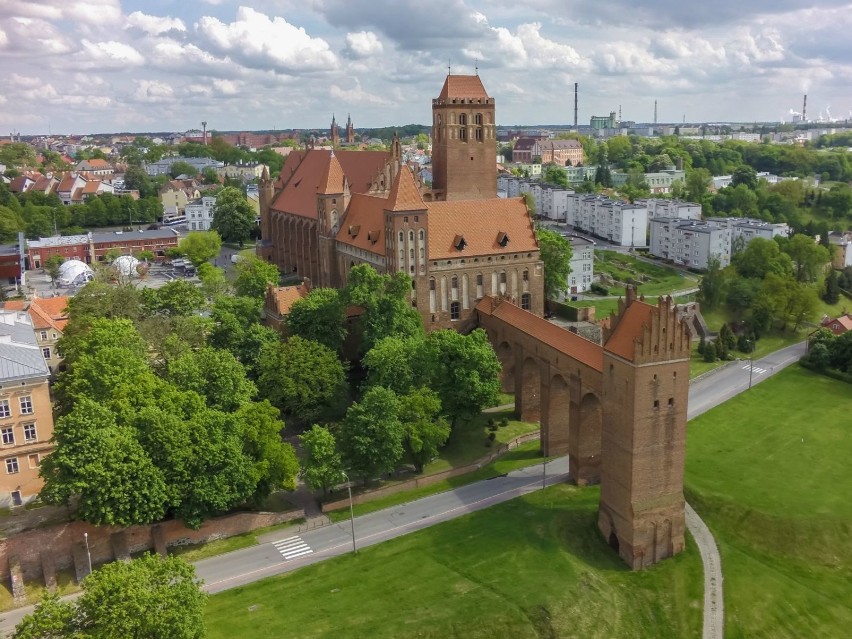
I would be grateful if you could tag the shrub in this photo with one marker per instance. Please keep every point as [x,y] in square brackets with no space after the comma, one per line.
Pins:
[504,422]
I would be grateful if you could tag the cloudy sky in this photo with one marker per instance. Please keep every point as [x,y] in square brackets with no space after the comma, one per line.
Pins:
[77,66]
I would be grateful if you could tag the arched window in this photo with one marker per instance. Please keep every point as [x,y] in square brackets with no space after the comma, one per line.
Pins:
[422,235]
[462,119]
[401,236]
[411,253]
[462,134]
[477,119]
[411,236]
[455,310]
[503,277]
[526,301]
[454,283]
[526,276]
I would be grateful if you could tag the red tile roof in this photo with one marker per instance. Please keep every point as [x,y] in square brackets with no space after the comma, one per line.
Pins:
[308,168]
[630,327]
[49,312]
[363,226]
[561,339]
[91,186]
[283,297]
[463,86]
[332,181]
[67,183]
[480,223]
[404,194]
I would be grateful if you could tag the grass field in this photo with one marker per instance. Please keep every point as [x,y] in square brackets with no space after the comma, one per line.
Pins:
[769,473]
[651,279]
[534,567]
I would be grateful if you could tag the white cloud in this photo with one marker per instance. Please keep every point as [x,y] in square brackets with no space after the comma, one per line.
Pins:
[80,11]
[154,91]
[259,42]
[154,25]
[363,44]
[357,95]
[111,54]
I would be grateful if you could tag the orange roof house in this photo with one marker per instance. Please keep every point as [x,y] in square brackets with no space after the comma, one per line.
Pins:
[838,325]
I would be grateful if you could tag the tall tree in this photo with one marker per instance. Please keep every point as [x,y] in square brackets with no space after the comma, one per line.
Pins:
[556,255]
[214,374]
[275,463]
[711,289]
[831,292]
[463,370]
[103,467]
[319,316]
[200,246]
[253,275]
[177,297]
[302,378]
[371,434]
[321,464]
[233,217]
[149,597]
[761,257]
[809,257]
[425,429]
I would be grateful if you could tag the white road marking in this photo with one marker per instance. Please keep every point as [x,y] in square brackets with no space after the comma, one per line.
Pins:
[757,369]
[292,547]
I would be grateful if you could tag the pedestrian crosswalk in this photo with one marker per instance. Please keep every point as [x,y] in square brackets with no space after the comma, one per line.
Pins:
[757,369]
[292,547]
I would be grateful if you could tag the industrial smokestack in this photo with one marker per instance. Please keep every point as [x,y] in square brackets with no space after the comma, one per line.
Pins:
[805,108]
[576,85]
[655,111]
[204,127]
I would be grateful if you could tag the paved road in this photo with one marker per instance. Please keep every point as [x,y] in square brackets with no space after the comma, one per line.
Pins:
[289,553]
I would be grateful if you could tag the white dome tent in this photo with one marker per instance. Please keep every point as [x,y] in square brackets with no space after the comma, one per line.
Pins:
[126,265]
[75,272]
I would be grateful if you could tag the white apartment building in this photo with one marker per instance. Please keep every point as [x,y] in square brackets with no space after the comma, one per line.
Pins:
[690,243]
[550,201]
[199,213]
[658,207]
[748,228]
[582,264]
[619,222]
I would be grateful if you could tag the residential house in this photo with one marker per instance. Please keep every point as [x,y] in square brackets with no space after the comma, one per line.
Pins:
[690,243]
[199,213]
[842,256]
[48,316]
[561,152]
[26,412]
[582,264]
[838,325]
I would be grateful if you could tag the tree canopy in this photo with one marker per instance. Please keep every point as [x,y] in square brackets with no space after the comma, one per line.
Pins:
[233,217]
[556,255]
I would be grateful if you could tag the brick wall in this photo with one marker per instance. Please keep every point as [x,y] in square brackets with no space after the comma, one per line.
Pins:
[61,540]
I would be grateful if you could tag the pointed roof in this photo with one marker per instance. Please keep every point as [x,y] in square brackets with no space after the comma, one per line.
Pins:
[332,183]
[404,195]
[463,86]
[630,327]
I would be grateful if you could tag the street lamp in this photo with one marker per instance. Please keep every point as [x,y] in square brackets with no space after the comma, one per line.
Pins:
[750,361]
[88,554]
[351,511]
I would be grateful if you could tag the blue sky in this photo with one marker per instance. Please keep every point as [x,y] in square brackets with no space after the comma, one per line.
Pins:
[78,66]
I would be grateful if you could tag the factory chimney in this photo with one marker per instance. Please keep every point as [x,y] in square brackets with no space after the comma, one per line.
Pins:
[204,127]
[576,85]
[805,108]
[655,111]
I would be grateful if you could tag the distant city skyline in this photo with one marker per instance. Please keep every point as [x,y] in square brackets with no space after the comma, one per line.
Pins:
[80,66]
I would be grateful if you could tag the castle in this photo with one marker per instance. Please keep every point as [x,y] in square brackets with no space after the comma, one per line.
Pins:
[332,209]
[617,409]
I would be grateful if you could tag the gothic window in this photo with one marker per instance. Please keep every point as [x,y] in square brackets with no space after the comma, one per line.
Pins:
[479,135]
[455,311]
[479,280]
[463,134]
[526,275]
[401,236]
[422,253]
[422,235]
[463,119]
[526,301]
[477,119]
[411,253]
[503,277]
[454,283]
[432,284]
[411,236]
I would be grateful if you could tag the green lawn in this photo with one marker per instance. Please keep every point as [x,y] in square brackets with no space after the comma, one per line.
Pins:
[651,279]
[769,473]
[527,454]
[529,568]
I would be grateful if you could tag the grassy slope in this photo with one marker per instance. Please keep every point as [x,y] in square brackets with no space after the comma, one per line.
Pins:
[768,472]
[532,567]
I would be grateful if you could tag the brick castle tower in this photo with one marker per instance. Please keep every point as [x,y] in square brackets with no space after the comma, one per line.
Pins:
[464,144]
[334,132]
[643,440]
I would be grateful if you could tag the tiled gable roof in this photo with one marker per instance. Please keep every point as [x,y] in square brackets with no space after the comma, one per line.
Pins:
[524,144]
[332,181]
[282,298]
[563,340]
[299,195]
[363,226]
[480,223]
[404,194]
[67,183]
[630,327]
[49,312]
[463,86]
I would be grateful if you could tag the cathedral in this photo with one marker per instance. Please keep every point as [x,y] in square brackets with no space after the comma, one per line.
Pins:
[332,209]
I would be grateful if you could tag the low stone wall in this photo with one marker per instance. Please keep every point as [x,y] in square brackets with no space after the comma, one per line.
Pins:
[428,480]
[63,545]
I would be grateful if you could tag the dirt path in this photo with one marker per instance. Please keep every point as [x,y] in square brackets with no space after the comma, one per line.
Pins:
[714,605]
